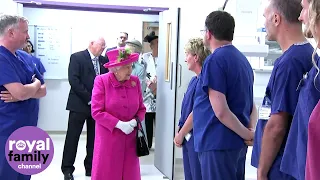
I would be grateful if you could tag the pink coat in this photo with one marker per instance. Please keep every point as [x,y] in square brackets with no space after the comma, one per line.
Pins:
[114,156]
[313,155]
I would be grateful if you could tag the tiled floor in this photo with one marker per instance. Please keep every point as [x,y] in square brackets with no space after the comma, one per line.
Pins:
[148,171]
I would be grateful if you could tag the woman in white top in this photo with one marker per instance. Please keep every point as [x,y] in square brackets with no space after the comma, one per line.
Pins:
[149,98]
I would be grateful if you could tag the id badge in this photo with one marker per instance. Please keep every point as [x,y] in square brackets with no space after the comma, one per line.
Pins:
[264,112]
[187,137]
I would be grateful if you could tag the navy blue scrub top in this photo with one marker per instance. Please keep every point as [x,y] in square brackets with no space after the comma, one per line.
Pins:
[228,71]
[294,157]
[188,100]
[17,69]
[281,92]
[38,65]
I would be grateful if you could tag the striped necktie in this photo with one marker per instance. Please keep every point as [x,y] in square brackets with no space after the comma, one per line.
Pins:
[96,65]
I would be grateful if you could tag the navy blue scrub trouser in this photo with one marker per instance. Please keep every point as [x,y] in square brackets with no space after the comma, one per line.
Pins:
[6,171]
[223,164]
[191,164]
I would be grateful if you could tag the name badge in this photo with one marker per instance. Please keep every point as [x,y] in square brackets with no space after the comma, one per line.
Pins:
[188,136]
[264,112]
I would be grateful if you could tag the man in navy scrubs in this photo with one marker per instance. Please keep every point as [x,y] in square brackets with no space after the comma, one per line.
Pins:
[281,96]
[223,103]
[18,82]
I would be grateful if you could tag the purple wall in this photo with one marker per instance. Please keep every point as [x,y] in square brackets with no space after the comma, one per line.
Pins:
[92,7]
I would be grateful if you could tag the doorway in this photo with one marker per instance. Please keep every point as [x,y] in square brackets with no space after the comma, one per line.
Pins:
[146,29]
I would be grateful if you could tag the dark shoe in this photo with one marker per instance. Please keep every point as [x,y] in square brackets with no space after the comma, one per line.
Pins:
[88,174]
[68,176]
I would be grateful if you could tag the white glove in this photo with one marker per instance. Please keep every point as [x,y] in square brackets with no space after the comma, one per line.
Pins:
[125,127]
[133,123]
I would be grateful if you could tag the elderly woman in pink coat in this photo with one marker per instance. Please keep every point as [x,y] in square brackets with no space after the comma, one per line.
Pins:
[116,103]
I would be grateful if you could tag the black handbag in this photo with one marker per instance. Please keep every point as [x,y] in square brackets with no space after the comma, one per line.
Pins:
[142,146]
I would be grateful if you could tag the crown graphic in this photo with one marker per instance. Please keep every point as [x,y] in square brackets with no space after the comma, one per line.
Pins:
[20,145]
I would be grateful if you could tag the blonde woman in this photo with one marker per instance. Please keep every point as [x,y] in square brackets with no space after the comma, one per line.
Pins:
[196,53]
[294,158]
[313,158]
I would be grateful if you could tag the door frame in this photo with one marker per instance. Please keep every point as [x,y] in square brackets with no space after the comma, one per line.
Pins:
[144,33]
[169,63]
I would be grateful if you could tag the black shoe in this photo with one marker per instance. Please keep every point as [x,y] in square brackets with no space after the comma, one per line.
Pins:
[68,176]
[88,174]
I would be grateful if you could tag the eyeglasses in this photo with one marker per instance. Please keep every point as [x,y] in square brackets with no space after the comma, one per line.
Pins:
[203,31]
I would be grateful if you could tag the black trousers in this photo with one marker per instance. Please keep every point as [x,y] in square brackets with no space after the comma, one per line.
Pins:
[149,120]
[75,126]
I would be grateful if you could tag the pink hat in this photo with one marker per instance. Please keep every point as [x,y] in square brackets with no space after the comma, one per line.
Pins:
[120,57]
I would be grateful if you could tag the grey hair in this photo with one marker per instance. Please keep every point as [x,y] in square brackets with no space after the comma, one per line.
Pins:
[9,21]
[114,69]
[134,48]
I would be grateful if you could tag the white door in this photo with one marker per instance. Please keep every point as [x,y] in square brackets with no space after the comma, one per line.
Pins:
[166,91]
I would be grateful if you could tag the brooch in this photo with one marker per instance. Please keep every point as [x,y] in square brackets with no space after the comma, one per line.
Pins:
[133,84]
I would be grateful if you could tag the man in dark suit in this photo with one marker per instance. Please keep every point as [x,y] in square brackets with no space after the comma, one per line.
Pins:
[121,41]
[83,68]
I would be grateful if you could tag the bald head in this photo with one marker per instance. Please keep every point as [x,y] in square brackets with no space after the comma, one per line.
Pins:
[97,46]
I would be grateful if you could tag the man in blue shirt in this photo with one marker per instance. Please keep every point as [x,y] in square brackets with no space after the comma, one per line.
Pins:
[223,103]
[19,81]
[281,96]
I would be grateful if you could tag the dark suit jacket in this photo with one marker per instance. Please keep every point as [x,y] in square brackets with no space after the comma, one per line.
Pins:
[81,77]
[109,49]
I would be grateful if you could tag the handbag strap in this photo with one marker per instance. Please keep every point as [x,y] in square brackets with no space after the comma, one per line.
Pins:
[140,126]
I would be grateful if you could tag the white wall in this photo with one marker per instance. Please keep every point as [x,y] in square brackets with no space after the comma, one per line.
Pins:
[100,23]
[10,7]
[52,115]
